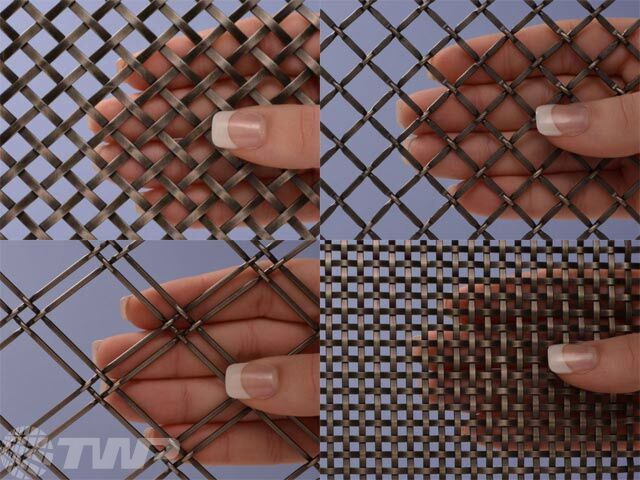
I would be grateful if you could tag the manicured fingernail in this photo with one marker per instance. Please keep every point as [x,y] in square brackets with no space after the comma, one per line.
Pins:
[557,120]
[572,358]
[237,129]
[124,301]
[94,349]
[251,380]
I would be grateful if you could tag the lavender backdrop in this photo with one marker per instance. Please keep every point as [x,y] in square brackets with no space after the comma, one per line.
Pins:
[31,382]
[87,85]
[338,59]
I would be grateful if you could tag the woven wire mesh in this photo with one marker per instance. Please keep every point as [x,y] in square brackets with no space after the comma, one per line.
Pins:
[434,359]
[58,63]
[32,316]
[383,53]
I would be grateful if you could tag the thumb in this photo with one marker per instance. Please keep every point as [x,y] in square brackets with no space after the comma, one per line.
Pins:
[610,366]
[278,136]
[284,385]
[602,128]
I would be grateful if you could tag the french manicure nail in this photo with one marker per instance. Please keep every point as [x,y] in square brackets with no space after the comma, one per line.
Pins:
[237,129]
[572,358]
[124,301]
[251,380]
[556,120]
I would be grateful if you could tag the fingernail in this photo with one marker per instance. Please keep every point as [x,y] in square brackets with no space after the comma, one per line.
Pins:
[556,120]
[251,380]
[237,129]
[572,358]
[124,301]
[94,349]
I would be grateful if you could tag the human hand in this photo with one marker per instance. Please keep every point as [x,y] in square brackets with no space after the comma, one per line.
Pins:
[258,330]
[604,125]
[273,137]
[483,379]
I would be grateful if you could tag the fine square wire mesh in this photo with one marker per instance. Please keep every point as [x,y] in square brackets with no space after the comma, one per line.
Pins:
[411,388]
[58,62]
[31,316]
[379,52]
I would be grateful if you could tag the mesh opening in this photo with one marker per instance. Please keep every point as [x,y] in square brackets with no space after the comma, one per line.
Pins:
[434,359]
[378,53]
[37,339]
[59,63]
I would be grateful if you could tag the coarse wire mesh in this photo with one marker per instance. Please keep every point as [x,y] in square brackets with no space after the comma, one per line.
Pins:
[31,316]
[434,359]
[58,62]
[379,53]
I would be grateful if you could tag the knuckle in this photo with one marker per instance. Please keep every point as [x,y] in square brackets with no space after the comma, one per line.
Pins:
[265,299]
[313,378]
[629,107]
[308,128]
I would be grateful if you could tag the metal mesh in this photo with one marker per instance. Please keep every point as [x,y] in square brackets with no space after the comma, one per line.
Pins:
[358,129]
[434,359]
[33,315]
[53,78]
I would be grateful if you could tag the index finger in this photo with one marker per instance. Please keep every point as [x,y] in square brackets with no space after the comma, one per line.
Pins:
[260,300]
[225,45]
[509,62]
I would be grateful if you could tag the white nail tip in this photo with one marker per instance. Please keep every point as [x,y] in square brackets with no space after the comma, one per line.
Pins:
[556,359]
[220,130]
[233,382]
[544,121]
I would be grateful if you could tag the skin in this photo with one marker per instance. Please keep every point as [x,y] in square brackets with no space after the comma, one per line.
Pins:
[606,377]
[293,147]
[178,389]
[610,134]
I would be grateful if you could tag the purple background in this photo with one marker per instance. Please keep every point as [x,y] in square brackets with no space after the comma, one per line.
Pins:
[368,144]
[31,382]
[64,106]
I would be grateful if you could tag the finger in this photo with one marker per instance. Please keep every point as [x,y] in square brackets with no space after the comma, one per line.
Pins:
[508,62]
[280,136]
[262,300]
[611,365]
[289,195]
[225,45]
[548,288]
[607,128]
[175,169]
[202,107]
[454,116]
[171,401]
[482,147]
[592,199]
[284,385]
[241,339]
[246,443]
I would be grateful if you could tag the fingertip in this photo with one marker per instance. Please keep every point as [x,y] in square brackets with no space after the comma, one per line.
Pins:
[124,307]
[95,352]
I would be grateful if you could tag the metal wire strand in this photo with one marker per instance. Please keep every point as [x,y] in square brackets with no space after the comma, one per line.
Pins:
[367,171]
[64,106]
[434,359]
[111,259]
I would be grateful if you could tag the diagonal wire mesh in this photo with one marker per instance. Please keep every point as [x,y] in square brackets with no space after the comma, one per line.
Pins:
[371,198]
[434,357]
[31,314]
[58,63]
